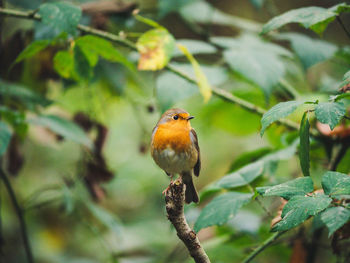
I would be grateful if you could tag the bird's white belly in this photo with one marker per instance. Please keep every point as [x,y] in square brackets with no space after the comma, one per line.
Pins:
[172,162]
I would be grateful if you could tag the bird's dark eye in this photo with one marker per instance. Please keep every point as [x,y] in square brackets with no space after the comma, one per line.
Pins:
[175,117]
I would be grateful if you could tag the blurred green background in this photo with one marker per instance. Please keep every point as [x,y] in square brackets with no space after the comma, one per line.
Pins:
[120,217]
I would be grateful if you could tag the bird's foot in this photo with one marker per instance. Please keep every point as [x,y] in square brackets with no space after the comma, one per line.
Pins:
[167,189]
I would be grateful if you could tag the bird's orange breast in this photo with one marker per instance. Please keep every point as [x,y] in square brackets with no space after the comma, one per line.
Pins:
[174,135]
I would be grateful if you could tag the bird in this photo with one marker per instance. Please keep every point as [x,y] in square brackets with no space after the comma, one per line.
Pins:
[175,149]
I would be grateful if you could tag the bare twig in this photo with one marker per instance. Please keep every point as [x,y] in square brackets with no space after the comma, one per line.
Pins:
[339,155]
[120,40]
[20,216]
[264,245]
[175,199]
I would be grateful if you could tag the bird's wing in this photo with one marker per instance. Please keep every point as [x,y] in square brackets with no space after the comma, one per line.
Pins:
[197,167]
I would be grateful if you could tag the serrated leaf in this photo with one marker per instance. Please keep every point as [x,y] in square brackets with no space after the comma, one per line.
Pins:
[315,18]
[335,217]
[221,209]
[156,48]
[202,81]
[62,16]
[32,49]
[66,128]
[346,80]
[335,183]
[279,111]
[93,46]
[310,51]
[243,176]
[299,208]
[5,137]
[63,63]
[299,186]
[330,113]
[304,148]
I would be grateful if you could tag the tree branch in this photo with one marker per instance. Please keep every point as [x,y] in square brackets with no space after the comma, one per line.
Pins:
[262,247]
[174,200]
[120,40]
[343,26]
[20,216]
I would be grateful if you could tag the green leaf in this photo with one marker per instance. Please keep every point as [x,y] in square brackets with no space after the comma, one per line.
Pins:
[335,217]
[346,80]
[251,42]
[21,93]
[16,119]
[242,177]
[299,208]
[299,186]
[340,96]
[221,209]
[315,18]
[258,66]
[257,3]
[62,16]
[194,47]
[283,154]
[171,88]
[93,46]
[304,148]
[330,113]
[202,81]
[310,51]
[279,111]
[204,13]
[66,128]
[5,137]
[33,48]
[335,183]
[249,157]
[105,217]
[156,48]
[63,63]
[82,66]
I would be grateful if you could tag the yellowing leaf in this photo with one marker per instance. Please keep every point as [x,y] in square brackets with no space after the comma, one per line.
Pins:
[156,47]
[202,81]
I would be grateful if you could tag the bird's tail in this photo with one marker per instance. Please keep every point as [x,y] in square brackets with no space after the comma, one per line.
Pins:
[191,194]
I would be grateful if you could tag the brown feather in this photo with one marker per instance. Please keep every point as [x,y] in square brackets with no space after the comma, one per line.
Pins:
[197,166]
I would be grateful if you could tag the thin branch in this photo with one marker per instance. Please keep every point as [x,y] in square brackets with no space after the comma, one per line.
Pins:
[343,26]
[20,216]
[264,245]
[339,156]
[174,200]
[120,40]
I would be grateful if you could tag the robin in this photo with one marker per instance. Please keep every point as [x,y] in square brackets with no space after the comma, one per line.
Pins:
[175,149]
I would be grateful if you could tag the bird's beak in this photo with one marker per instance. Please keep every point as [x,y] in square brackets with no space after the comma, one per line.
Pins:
[190,118]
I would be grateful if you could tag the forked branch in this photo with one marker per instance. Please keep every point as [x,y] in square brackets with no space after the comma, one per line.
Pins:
[174,200]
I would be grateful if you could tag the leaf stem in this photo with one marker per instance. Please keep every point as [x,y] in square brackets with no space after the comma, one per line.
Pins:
[264,245]
[20,216]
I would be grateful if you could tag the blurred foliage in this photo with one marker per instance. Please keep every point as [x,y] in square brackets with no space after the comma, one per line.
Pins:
[78,107]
